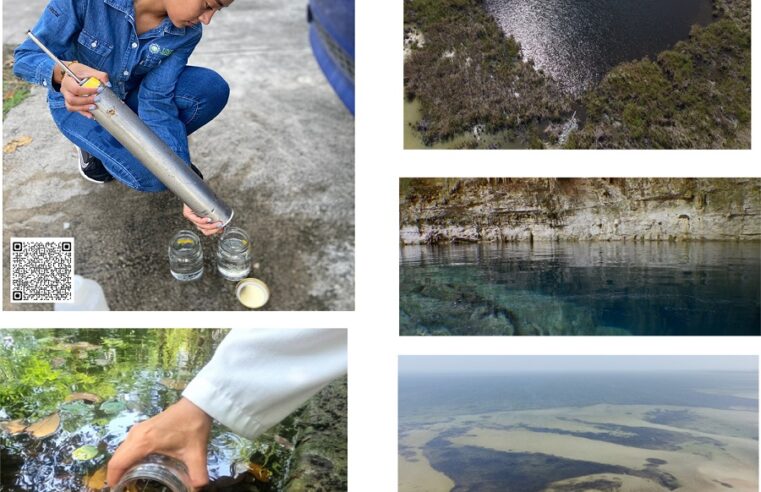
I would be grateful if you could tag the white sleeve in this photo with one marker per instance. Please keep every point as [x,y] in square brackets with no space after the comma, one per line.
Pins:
[258,377]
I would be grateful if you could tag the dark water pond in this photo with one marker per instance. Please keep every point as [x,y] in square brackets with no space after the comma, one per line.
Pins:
[135,374]
[578,41]
[581,289]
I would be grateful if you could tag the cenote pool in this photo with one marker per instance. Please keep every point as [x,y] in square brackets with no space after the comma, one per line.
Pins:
[606,288]
[86,388]
[578,41]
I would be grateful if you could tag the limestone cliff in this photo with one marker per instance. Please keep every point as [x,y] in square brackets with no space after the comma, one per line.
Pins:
[579,209]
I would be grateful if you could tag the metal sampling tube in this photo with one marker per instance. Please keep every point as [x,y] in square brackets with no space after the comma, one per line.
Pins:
[125,126]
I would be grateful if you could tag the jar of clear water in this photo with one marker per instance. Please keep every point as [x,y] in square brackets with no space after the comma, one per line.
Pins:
[186,256]
[234,254]
[156,473]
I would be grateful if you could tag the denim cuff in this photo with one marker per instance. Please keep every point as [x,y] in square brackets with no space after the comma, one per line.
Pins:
[44,74]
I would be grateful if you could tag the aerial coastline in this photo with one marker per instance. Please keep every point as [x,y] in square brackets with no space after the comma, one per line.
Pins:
[577,423]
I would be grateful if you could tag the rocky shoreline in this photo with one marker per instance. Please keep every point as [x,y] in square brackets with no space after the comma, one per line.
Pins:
[586,209]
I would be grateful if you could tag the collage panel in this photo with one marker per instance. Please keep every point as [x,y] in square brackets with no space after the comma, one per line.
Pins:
[590,325]
[580,256]
[221,147]
[560,74]
[249,410]
[578,423]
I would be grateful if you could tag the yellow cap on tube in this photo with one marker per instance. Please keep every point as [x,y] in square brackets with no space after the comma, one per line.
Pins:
[91,83]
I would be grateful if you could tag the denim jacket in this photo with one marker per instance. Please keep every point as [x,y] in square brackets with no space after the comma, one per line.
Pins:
[102,35]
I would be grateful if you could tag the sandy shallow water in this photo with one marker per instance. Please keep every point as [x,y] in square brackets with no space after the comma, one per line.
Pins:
[700,465]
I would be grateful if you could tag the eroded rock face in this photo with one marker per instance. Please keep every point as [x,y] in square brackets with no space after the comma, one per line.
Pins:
[320,458]
[615,209]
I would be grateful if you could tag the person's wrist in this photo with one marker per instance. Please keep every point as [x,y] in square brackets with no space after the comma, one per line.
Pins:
[69,64]
[195,416]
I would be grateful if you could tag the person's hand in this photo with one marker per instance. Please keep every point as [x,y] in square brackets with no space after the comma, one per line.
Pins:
[81,99]
[202,224]
[181,431]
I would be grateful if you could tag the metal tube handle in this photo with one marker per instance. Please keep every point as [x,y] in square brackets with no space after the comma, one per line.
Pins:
[53,57]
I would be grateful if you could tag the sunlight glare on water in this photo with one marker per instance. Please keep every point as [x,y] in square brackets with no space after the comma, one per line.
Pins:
[577,41]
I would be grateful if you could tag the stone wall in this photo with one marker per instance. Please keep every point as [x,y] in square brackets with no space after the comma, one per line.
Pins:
[320,457]
[579,209]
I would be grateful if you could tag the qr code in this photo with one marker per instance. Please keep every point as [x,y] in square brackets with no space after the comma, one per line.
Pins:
[42,269]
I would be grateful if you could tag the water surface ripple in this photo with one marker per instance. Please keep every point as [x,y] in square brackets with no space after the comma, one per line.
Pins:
[578,41]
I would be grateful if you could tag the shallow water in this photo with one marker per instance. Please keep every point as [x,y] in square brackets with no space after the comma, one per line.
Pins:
[413,139]
[578,41]
[590,288]
[141,372]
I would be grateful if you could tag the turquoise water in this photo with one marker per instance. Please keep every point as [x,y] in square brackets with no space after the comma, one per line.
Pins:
[610,288]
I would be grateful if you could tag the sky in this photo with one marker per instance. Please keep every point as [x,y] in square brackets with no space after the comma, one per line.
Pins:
[410,364]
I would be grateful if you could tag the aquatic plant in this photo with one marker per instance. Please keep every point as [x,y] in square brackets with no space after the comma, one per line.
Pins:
[45,427]
[30,385]
[23,376]
[85,453]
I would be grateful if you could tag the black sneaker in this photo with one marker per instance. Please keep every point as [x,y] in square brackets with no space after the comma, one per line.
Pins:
[196,170]
[91,168]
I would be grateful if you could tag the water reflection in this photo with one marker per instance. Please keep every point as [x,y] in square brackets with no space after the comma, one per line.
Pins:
[577,42]
[581,289]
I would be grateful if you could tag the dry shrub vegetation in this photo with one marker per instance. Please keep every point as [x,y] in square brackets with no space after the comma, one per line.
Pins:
[468,73]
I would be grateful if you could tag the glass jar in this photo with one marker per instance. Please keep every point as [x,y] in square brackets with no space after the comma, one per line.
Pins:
[158,473]
[234,254]
[186,256]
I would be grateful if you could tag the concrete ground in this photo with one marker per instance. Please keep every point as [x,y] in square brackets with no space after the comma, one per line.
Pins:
[281,154]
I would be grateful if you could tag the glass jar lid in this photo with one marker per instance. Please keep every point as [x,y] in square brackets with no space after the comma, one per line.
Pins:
[252,293]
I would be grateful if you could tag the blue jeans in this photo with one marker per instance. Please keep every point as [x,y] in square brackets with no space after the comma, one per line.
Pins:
[200,95]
